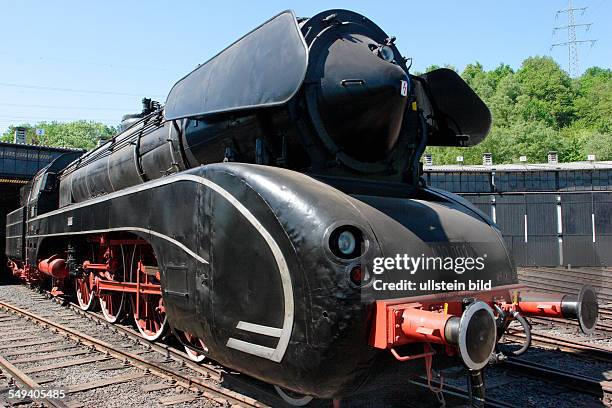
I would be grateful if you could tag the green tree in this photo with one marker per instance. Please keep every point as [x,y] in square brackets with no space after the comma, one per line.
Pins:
[537,109]
[81,133]
[594,102]
[599,144]
[546,92]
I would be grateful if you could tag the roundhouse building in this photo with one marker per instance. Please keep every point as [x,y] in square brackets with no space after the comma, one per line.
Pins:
[550,213]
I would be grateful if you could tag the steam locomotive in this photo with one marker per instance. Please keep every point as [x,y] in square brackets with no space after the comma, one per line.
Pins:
[245,214]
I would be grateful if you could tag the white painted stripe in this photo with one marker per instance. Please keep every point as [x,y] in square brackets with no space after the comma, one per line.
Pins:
[494,213]
[281,263]
[124,192]
[525,227]
[127,229]
[283,268]
[255,349]
[259,329]
[559,220]
[593,225]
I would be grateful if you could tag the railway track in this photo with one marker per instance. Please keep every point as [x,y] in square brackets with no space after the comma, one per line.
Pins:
[580,348]
[169,381]
[580,383]
[601,328]
[190,383]
[215,373]
[563,280]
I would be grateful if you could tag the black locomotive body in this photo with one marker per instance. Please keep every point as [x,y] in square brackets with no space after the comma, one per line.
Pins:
[220,214]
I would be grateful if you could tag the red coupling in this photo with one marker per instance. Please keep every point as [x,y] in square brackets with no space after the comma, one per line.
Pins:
[582,307]
[399,324]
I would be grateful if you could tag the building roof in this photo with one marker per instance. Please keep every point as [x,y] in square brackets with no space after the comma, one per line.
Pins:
[581,165]
[40,147]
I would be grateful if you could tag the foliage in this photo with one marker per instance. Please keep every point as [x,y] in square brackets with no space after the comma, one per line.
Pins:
[83,134]
[537,109]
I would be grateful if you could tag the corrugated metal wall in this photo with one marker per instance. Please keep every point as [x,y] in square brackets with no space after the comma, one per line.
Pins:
[542,235]
[602,211]
[510,217]
[547,217]
[578,238]
[550,229]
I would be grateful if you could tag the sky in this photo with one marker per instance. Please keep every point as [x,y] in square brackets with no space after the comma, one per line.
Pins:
[67,60]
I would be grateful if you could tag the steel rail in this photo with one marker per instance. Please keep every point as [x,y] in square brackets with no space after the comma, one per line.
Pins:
[208,390]
[461,393]
[28,383]
[571,346]
[216,372]
[583,384]
[166,350]
[600,327]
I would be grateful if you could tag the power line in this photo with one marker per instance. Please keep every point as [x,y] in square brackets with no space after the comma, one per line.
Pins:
[19,105]
[572,43]
[84,91]
[45,118]
[79,61]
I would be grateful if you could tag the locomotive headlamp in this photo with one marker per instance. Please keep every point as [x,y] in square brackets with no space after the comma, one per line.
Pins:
[385,52]
[346,242]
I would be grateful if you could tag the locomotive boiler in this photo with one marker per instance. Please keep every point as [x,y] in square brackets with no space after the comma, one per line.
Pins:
[247,213]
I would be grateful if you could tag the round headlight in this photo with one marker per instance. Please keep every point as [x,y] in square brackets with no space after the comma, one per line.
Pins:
[385,52]
[346,242]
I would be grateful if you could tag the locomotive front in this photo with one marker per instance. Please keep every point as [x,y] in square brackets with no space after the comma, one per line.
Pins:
[377,260]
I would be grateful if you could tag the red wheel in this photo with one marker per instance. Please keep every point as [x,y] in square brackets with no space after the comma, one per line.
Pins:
[194,355]
[193,347]
[148,309]
[111,305]
[111,302]
[84,292]
[150,319]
